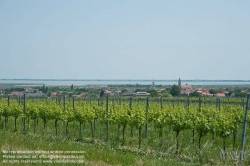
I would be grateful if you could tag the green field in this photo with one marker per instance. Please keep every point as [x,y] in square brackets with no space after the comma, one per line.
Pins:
[205,132]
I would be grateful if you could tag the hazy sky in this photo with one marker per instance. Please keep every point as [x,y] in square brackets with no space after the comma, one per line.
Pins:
[128,39]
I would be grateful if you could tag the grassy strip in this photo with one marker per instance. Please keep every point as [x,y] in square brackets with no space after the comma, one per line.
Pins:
[98,152]
[95,153]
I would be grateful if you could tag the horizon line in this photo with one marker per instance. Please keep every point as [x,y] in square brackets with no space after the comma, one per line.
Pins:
[65,79]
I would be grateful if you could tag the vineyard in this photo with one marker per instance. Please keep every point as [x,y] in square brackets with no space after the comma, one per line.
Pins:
[203,130]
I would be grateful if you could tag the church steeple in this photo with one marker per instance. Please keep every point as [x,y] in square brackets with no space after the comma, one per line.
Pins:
[153,85]
[179,82]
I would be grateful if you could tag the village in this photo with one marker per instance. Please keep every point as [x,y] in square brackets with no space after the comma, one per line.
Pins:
[91,91]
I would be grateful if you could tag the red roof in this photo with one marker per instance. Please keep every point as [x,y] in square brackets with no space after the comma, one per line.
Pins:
[220,94]
[108,92]
[186,87]
[53,93]
[17,93]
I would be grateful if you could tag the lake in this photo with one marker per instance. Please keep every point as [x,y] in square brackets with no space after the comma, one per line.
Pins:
[100,82]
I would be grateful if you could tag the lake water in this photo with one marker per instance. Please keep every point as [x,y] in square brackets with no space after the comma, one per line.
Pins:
[109,82]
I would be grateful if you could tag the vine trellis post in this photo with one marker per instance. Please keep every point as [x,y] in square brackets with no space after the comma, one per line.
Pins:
[107,122]
[244,131]
[146,127]
[24,112]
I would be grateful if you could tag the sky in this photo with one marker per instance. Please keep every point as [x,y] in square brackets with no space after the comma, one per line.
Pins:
[127,39]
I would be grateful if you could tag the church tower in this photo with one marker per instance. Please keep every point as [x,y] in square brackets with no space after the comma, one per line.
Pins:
[153,85]
[179,82]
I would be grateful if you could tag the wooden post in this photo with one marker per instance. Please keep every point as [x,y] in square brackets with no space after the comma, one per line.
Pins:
[6,118]
[60,98]
[244,131]
[161,103]
[199,104]
[107,122]
[173,102]
[64,109]
[130,102]
[113,103]
[73,101]
[64,103]
[24,112]
[243,104]
[219,104]
[146,127]
[73,104]
[102,102]
[216,102]
[8,101]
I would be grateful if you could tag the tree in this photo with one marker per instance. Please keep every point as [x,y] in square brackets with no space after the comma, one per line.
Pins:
[194,94]
[165,95]
[124,90]
[102,93]
[72,87]
[175,90]
[49,94]
[238,93]
[230,93]
[214,91]
[154,93]
[43,89]
[168,89]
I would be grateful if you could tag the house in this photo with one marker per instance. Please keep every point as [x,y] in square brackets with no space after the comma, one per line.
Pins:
[108,92]
[53,93]
[220,95]
[159,91]
[142,94]
[131,94]
[185,89]
[38,94]
[137,94]
[16,94]
[118,92]
[207,94]
[31,90]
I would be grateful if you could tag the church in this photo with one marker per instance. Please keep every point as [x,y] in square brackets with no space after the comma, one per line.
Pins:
[185,89]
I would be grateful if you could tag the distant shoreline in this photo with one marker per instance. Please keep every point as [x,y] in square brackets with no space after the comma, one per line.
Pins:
[118,82]
[132,80]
